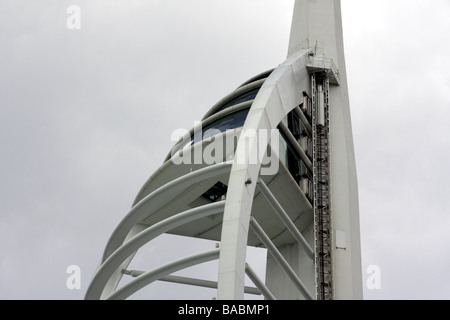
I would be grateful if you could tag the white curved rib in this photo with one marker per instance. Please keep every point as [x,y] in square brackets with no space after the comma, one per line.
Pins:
[158,198]
[103,274]
[153,275]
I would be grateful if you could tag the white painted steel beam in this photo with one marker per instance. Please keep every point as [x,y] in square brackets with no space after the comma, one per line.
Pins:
[207,283]
[235,93]
[302,117]
[113,262]
[285,218]
[157,199]
[204,283]
[169,268]
[259,283]
[280,259]
[296,146]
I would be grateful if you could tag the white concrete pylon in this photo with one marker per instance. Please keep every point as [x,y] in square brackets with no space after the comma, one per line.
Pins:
[316,29]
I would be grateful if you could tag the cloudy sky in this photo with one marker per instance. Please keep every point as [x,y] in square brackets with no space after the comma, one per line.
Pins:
[86,117]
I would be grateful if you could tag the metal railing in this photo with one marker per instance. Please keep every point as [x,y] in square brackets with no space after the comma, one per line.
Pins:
[317,62]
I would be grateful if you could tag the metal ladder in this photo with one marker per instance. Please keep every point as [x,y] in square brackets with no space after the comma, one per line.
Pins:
[322,201]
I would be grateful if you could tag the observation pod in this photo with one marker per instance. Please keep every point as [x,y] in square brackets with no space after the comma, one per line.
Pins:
[270,165]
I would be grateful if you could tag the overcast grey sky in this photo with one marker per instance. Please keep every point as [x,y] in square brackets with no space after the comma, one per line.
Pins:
[86,117]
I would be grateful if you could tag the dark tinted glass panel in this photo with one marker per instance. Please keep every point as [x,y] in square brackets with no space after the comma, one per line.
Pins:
[246,96]
[294,124]
[231,121]
[294,163]
[215,192]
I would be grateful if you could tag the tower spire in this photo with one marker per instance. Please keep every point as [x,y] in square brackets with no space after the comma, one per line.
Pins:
[318,24]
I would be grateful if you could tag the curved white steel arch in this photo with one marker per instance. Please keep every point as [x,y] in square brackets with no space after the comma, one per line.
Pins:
[153,275]
[207,121]
[158,198]
[129,226]
[236,93]
[103,274]
[280,94]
